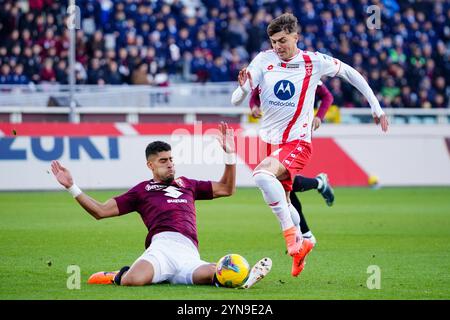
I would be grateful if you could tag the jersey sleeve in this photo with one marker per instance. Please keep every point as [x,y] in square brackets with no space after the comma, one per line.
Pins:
[202,190]
[255,69]
[329,66]
[127,202]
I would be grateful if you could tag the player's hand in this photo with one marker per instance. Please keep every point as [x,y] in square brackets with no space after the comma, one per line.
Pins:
[316,123]
[62,174]
[256,112]
[243,76]
[381,120]
[226,138]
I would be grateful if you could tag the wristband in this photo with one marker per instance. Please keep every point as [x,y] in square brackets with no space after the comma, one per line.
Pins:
[229,158]
[74,190]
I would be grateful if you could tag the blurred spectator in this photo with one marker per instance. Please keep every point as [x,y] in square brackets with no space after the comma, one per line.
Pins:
[61,72]
[409,99]
[5,75]
[210,40]
[390,91]
[95,73]
[47,73]
[113,75]
[18,77]
[140,75]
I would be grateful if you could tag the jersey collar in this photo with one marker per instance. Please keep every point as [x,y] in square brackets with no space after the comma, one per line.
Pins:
[295,56]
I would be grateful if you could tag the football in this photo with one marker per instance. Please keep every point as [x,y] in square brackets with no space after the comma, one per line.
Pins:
[232,270]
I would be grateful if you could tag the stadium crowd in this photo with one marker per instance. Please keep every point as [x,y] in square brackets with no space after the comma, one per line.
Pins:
[406,60]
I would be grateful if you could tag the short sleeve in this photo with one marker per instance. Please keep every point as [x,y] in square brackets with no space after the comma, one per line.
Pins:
[127,202]
[255,69]
[329,66]
[202,190]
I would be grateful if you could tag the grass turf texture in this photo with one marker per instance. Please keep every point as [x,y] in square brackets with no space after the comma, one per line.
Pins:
[404,231]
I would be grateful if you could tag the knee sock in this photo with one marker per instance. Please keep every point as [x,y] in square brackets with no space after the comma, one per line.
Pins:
[302,184]
[275,196]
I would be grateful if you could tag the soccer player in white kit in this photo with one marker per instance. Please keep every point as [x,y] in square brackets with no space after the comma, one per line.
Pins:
[288,77]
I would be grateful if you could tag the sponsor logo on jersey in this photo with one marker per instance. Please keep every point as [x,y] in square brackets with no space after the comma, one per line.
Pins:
[281,104]
[172,192]
[177,201]
[284,90]
[289,65]
[150,187]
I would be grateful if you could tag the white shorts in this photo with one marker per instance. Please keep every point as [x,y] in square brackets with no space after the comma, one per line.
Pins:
[174,258]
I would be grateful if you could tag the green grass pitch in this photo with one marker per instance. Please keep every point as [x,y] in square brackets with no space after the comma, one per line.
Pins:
[403,231]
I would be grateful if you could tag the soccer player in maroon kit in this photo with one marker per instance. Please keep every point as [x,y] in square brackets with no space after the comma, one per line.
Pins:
[167,207]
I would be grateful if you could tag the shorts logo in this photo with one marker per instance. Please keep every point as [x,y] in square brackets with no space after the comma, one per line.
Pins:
[284,89]
[270,67]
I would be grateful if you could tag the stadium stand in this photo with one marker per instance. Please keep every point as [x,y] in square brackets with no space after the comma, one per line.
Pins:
[406,61]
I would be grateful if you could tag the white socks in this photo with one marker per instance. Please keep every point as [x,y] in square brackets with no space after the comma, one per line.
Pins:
[275,197]
[319,184]
[307,234]
[295,217]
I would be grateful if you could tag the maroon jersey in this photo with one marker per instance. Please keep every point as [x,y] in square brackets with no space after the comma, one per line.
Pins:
[166,207]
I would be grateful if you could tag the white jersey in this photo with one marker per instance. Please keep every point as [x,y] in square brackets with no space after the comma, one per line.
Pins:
[287,92]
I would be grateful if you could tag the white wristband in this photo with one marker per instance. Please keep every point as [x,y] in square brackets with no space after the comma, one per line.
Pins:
[74,190]
[229,158]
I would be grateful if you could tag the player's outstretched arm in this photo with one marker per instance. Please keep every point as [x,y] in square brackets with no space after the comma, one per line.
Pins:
[357,80]
[245,85]
[93,207]
[227,184]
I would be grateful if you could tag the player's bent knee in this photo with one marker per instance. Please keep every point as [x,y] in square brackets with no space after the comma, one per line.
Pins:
[262,178]
[140,274]
[135,280]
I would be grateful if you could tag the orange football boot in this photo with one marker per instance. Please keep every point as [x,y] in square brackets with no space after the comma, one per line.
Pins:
[102,277]
[299,259]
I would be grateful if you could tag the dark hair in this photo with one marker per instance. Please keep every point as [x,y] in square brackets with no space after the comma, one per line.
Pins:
[155,147]
[286,22]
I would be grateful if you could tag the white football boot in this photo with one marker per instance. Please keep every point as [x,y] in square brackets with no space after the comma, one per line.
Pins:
[259,271]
